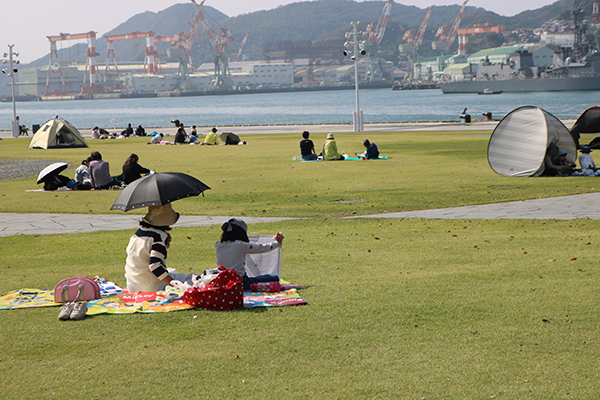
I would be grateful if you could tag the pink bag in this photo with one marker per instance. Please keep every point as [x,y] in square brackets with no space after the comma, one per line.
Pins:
[225,292]
[77,288]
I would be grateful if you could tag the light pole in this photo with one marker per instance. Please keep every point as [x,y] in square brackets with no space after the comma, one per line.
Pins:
[357,115]
[11,71]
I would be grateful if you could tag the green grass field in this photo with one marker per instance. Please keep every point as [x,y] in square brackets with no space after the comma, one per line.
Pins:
[397,308]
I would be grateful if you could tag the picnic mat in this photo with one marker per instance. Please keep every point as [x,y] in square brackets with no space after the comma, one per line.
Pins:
[349,159]
[122,302]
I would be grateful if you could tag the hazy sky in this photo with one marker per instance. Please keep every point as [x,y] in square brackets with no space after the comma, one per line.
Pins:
[26,23]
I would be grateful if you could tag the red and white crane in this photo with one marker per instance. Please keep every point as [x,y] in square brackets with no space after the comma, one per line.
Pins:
[374,33]
[239,53]
[90,65]
[185,40]
[449,36]
[415,40]
[219,42]
[151,65]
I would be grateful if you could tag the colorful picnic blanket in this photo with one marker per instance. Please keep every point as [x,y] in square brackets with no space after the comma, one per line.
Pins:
[143,302]
[349,159]
[25,298]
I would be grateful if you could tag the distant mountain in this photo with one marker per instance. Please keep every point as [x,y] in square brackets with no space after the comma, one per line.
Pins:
[307,20]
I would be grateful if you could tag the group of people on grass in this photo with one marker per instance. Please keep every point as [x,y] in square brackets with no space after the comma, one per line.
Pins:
[330,151]
[101,133]
[94,174]
[182,137]
[556,163]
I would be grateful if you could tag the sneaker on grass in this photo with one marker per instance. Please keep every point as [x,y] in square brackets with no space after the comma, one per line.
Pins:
[65,311]
[79,311]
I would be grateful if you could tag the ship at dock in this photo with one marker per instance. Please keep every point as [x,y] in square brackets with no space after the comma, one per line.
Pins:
[575,67]
[518,76]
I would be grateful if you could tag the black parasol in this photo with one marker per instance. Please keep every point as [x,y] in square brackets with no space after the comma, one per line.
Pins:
[158,189]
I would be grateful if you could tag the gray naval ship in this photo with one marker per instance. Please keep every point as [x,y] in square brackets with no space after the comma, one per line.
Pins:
[520,75]
[573,68]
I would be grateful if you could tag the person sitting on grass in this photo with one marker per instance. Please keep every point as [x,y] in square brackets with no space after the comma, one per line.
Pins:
[211,138]
[231,250]
[371,151]
[330,151]
[145,267]
[100,173]
[307,148]
[83,179]
[132,170]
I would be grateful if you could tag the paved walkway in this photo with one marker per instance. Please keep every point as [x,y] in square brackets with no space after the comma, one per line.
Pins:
[44,224]
[584,206]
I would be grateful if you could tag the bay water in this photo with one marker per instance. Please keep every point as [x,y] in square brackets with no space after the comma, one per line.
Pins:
[300,108]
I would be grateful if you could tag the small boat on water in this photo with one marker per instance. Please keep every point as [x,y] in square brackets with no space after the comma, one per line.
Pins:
[489,91]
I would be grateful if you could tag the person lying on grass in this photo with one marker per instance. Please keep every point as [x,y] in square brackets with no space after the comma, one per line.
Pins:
[234,245]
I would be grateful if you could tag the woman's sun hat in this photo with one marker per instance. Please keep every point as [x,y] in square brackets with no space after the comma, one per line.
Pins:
[161,215]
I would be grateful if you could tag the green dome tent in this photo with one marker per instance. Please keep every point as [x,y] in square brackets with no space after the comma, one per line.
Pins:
[57,133]
[519,143]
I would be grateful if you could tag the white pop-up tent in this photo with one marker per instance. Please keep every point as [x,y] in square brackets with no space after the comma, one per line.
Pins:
[57,133]
[519,143]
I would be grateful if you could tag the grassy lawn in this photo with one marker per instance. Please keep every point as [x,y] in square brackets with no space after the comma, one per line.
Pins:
[425,170]
[398,309]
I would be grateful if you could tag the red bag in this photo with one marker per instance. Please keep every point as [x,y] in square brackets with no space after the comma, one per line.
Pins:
[225,292]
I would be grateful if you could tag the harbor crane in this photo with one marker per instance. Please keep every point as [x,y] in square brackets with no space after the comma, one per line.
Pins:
[447,37]
[182,43]
[595,22]
[90,65]
[374,34]
[412,44]
[239,53]
[219,43]
[463,34]
[151,65]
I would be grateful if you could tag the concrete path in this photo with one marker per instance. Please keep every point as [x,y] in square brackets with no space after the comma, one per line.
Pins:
[44,224]
[584,206]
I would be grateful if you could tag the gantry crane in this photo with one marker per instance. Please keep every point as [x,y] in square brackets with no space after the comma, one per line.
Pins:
[447,37]
[463,34]
[90,65]
[374,34]
[151,65]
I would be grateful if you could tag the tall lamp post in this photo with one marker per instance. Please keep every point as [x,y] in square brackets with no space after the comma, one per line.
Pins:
[11,71]
[357,49]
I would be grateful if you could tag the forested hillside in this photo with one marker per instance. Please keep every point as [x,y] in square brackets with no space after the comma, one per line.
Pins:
[305,20]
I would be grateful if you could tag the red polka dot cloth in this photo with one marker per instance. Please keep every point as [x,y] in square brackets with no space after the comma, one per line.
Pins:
[225,292]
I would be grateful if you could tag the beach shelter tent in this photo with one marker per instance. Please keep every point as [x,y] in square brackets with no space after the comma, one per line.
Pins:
[57,133]
[588,122]
[519,143]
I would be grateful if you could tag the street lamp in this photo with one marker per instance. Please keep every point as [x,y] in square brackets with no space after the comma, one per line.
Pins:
[11,71]
[354,53]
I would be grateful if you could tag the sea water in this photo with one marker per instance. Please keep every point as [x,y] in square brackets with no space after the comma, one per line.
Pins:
[301,108]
